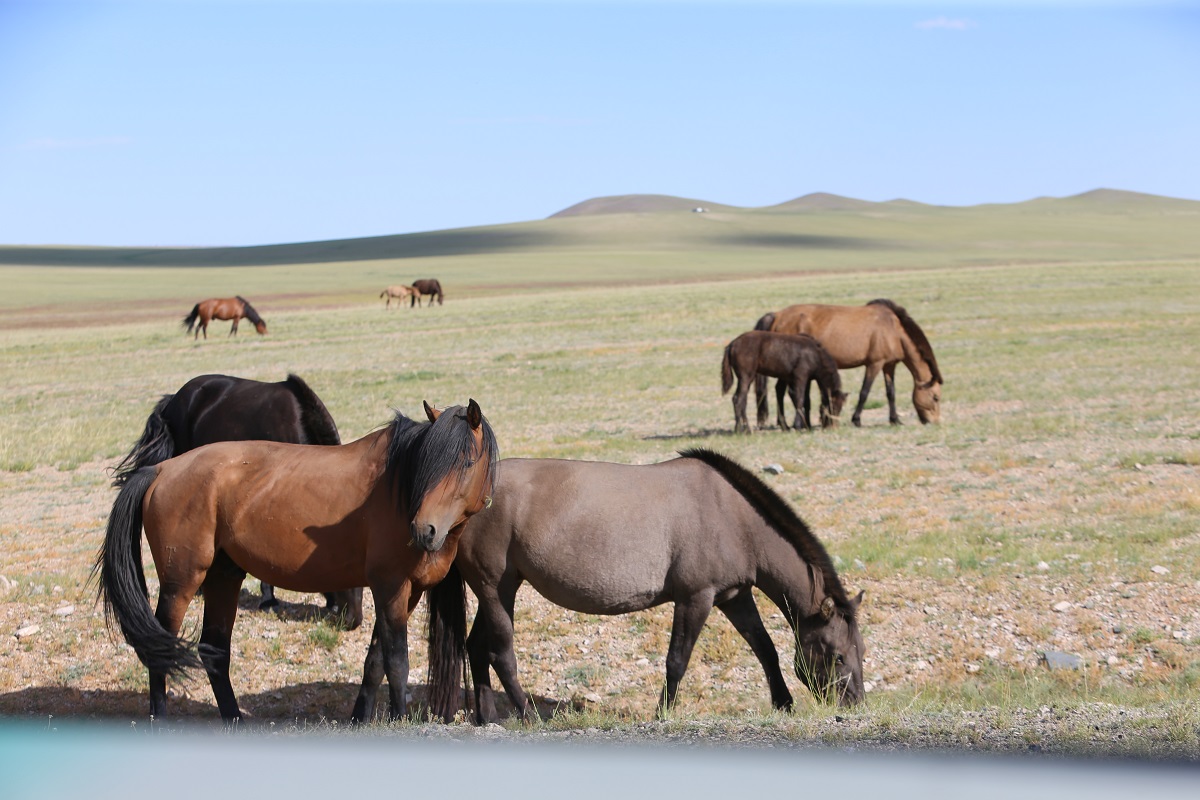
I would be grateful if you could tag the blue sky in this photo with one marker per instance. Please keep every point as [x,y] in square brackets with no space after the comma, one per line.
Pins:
[238,122]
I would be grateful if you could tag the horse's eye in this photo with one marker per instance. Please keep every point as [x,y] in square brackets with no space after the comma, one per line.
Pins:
[840,660]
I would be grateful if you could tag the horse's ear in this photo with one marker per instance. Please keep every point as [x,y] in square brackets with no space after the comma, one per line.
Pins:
[857,600]
[431,412]
[827,608]
[474,415]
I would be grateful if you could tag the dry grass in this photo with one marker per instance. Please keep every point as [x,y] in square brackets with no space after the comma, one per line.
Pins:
[1065,470]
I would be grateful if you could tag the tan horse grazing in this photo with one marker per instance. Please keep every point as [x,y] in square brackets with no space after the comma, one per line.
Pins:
[400,293]
[877,336]
[233,308]
[385,511]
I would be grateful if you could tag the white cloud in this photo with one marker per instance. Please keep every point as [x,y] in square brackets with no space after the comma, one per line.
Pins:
[944,23]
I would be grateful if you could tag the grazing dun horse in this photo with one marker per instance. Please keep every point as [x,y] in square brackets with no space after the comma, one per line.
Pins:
[698,531]
[385,511]
[877,336]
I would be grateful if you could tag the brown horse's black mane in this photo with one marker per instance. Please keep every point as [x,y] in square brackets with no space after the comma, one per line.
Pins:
[423,453]
[781,517]
[249,311]
[915,333]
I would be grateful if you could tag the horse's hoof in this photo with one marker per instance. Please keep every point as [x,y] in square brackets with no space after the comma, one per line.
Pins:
[268,605]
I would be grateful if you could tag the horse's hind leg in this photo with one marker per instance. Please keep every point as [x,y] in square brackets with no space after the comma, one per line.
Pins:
[743,613]
[889,385]
[172,605]
[868,378]
[221,588]
[364,706]
[780,414]
[740,423]
[690,616]
[762,400]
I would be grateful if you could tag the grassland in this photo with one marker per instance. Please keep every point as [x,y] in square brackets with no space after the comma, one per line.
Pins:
[1065,470]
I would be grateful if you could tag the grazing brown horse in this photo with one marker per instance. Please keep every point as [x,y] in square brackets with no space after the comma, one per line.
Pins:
[796,360]
[385,511]
[698,531]
[400,293]
[222,408]
[428,287]
[233,308]
[879,336]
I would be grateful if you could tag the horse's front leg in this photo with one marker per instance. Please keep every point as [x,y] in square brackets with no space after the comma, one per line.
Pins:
[889,384]
[233,327]
[364,706]
[781,413]
[393,634]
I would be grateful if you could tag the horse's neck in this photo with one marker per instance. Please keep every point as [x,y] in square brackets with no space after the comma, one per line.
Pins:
[787,580]
[916,363]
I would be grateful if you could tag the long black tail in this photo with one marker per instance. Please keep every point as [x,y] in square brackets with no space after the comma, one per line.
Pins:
[155,446]
[447,637]
[190,319]
[122,585]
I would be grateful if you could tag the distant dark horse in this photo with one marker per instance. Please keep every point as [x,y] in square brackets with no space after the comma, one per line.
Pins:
[386,511]
[222,408]
[233,308]
[796,361]
[428,287]
[698,531]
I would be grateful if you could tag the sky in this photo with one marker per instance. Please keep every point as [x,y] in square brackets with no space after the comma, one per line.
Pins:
[241,122]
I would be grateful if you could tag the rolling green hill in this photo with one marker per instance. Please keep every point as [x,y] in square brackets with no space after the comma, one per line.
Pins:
[633,238]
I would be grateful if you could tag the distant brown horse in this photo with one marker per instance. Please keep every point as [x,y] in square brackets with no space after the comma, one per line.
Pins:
[385,511]
[879,336]
[796,360]
[400,293]
[428,287]
[233,308]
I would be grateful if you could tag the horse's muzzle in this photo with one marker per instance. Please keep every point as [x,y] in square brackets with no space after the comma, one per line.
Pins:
[425,536]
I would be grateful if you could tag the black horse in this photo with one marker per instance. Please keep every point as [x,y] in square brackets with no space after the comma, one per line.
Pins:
[222,408]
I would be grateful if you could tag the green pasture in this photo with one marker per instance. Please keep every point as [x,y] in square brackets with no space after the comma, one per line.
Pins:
[1068,454]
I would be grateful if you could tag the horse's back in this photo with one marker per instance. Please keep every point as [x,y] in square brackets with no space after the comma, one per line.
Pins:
[853,335]
[604,538]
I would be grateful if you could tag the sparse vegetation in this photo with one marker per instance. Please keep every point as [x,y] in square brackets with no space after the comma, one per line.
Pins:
[1065,472]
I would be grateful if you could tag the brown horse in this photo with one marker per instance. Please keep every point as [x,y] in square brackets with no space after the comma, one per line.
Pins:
[400,293]
[796,360]
[233,308]
[879,336]
[385,511]
[698,531]
[428,287]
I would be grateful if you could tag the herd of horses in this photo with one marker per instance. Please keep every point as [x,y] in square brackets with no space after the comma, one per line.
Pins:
[238,308]
[226,481]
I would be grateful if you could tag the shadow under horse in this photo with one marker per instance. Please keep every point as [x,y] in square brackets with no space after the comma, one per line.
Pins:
[698,531]
[796,361]
[385,511]
[224,408]
[877,336]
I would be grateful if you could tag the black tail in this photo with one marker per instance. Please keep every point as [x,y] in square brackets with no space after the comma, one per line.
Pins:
[155,446]
[122,585]
[318,424]
[447,643]
[190,319]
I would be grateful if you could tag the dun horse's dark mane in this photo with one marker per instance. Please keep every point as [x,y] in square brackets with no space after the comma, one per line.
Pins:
[249,311]
[915,333]
[421,454]
[315,418]
[781,517]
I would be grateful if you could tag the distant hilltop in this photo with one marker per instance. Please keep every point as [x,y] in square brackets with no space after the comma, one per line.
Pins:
[824,201]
